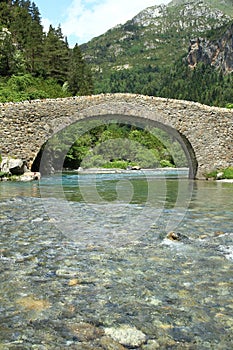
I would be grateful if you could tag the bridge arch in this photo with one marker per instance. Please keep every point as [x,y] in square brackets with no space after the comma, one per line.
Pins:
[137,121]
[204,132]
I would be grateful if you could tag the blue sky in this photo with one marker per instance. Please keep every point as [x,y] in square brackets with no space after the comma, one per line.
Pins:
[82,20]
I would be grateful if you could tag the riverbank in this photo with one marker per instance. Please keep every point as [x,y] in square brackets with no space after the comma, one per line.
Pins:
[129,171]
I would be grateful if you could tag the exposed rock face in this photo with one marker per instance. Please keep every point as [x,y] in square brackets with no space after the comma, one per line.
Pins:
[196,53]
[218,53]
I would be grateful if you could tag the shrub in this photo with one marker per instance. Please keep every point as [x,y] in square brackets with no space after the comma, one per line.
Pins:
[120,164]
[228,173]
[166,164]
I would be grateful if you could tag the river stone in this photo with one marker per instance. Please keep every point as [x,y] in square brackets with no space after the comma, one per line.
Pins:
[66,273]
[151,345]
[16,166]
[108,343]
[86,331]
[30,176]
[174,236]
[126,335]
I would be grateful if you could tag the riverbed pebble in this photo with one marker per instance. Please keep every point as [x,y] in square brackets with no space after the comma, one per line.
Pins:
[126,335]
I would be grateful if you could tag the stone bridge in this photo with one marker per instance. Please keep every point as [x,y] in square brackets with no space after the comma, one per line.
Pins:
[205,133]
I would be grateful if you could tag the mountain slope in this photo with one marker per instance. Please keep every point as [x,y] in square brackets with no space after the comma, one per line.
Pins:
[155,53]
[156,36]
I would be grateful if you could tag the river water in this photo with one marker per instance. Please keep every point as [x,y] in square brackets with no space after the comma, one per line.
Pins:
[85,263]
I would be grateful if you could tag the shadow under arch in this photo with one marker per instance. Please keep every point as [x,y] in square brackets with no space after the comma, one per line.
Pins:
[44,156]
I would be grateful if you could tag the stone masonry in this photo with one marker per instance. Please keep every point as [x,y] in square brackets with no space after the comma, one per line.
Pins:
[205,133]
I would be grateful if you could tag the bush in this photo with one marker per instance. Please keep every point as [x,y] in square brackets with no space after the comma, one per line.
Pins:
[120,164]
[227,173]
[212,174]
[166,164]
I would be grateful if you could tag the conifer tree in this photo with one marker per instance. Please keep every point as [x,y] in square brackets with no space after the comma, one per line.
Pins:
[56,54]
[79,74]
[7,53]
[34,44]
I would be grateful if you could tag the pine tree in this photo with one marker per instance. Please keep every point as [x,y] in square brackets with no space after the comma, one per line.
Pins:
[34,44]
[56,54]
[79,74]
[7,53]
[5,12]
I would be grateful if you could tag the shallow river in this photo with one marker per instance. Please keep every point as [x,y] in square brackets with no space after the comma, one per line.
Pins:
[85,263]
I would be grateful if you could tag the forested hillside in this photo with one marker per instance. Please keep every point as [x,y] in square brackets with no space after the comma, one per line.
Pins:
[182,50]
[35,64]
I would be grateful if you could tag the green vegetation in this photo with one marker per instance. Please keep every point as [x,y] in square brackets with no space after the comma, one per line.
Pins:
[2,174]
[114,145]
[34,64]
[202,84]
[226,173]
[26,87]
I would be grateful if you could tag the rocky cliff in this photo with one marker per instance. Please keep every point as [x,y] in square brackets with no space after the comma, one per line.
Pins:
[217,53]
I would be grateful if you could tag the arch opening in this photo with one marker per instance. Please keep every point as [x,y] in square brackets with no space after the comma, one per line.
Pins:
[50,162]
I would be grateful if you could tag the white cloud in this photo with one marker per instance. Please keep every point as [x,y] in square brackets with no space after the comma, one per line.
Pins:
[89,18]
[45,23]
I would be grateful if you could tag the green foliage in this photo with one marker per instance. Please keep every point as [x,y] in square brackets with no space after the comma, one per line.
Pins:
[166,163]
[226,173]
[211,174]
[202,84]
[79,78]
[116,164]
[27,87]
[56,55]
[3,174]
[113,145]
[26,52]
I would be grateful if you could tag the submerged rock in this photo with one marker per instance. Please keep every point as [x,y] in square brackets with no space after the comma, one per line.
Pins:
[86,331]
[126,335]
[108,343]
[32,303]
[174,236]
[66,273]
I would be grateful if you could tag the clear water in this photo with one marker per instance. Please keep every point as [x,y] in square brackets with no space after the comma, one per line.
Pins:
[93,249]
